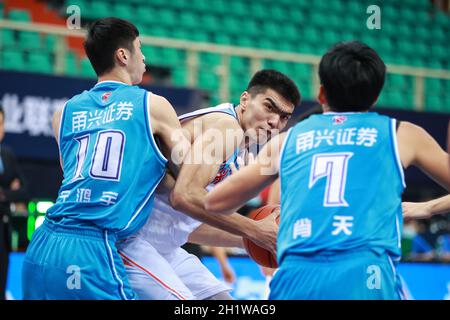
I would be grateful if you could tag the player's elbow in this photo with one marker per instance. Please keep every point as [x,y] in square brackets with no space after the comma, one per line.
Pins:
[178,200]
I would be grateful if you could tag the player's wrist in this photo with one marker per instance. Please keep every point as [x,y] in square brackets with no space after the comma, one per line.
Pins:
[436,207]
[252,230]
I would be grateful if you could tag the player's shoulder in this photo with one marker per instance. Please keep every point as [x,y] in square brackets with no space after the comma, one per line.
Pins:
[413,136]
[220,120]
[410,130]
[76,98]
[158,105]
[156,99]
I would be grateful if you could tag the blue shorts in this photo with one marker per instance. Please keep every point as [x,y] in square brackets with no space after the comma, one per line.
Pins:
[361,275]
[65,263]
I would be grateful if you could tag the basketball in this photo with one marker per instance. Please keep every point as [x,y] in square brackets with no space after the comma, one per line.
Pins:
[260,255]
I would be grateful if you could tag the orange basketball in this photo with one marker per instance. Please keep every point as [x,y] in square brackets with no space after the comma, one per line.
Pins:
[260,255]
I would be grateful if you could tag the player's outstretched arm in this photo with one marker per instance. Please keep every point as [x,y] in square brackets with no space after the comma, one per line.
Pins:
[424,210]
[245,184]
[418,148]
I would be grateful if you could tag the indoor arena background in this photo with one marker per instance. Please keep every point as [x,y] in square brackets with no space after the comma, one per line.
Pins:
[200,53]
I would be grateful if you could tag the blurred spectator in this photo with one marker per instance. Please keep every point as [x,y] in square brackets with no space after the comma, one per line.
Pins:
[12,189]
[443,248]
[422,243]
[226,269]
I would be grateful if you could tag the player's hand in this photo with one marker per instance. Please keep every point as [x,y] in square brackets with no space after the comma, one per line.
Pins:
[228,273]
[267,272]
[266,235]
[416,210]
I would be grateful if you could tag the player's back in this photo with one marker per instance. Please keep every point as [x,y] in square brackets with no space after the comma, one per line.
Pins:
[341,185]
[111,163]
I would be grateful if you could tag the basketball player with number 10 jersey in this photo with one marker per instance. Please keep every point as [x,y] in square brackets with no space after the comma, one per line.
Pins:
[111,167]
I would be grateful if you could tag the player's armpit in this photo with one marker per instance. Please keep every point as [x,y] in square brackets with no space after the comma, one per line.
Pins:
[417,147]
[167,184]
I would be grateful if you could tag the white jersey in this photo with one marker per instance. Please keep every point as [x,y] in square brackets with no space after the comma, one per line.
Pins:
[156,265]
[166,228]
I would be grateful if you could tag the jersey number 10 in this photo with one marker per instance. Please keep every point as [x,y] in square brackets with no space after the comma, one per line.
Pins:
[106,162]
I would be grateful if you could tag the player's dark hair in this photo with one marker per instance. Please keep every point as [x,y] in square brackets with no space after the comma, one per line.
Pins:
[104,37]
[352,75]
[272,79]
[2,111]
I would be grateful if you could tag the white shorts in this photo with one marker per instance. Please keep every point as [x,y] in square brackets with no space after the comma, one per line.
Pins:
[166,229]
[174,276]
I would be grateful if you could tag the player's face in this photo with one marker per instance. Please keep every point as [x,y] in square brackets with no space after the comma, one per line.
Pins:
[137,64]
[265,113]
[2,126]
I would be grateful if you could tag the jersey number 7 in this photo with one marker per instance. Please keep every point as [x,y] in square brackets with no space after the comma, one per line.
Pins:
[333,167]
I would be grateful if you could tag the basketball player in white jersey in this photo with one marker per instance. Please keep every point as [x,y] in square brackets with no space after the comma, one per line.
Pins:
[157,266]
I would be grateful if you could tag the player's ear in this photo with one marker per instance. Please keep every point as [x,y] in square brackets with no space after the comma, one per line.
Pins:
[245,97]
[321,98]
[122,56]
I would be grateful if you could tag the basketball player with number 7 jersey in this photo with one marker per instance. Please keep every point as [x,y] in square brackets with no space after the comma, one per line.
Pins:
[158,268]
[341,177]
[112,166]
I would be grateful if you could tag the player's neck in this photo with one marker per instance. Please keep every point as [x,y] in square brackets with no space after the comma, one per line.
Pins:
[238,110]
[116,75]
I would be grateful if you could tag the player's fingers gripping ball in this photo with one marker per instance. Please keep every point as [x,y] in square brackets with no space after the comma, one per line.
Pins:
[260,255]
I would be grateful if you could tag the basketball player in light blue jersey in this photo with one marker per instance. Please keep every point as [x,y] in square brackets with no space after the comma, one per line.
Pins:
[341,183]
[157,266]
[111,167]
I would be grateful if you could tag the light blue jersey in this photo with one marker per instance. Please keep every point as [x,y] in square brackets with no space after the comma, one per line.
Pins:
[341,216]
[109,178]
[111,168]
[341,185]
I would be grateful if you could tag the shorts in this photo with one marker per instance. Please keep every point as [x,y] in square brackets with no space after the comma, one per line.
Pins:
[361,275]
[68,263]
[175,275]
